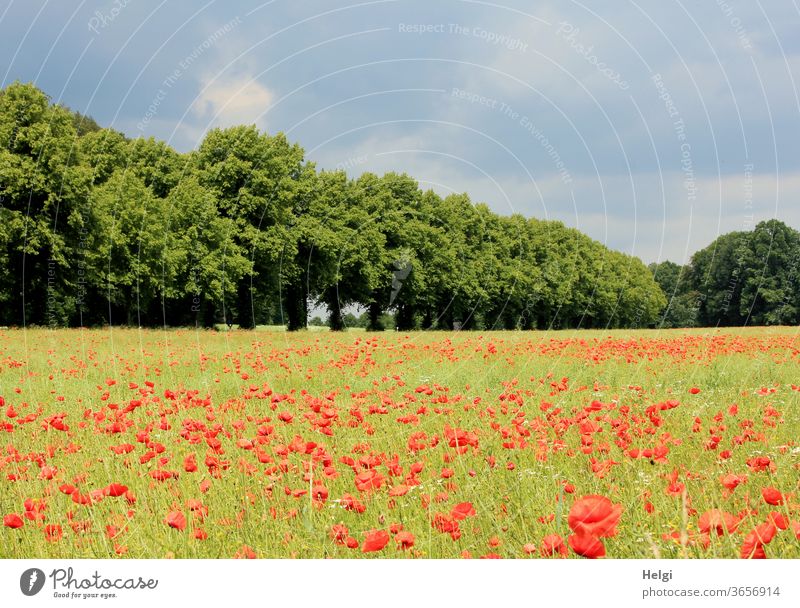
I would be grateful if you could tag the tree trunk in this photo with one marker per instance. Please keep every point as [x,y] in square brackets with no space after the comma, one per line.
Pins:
[244,304]
[296,305]
[405,317]
[335,320]
[375,313]
[427,318]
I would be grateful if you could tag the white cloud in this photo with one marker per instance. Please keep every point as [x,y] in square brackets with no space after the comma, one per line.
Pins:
[229,101]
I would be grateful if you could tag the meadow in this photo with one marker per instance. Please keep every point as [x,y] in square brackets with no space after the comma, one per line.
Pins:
[203,444]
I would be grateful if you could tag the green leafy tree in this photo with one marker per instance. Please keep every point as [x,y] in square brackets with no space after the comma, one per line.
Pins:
[258,180]
[43,189]
[128,242]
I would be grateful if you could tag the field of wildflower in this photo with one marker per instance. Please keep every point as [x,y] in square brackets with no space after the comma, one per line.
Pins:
[202,444]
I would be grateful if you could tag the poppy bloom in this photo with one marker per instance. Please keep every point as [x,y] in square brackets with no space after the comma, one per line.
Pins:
[765,532]
[779,520]
[730,481]
[351,504]
[445,524]
[53,533]
[320,493]
[12,520]
[375,540]
[587,545]
[529,548]
[404,540]
[553,545]
[48,472]
[339,533]
[772,496]
[190,463]
[462,511]
[176,519]
[115,490]
[752,549]
[369,480]
[245,552]
[718,521]
[753,545]
[351,543]
[594,515]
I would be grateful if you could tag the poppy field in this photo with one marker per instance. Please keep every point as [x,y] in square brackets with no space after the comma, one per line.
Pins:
[572,444]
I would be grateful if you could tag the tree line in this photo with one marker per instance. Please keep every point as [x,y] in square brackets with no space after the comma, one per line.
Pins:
[742,278]
[97,229]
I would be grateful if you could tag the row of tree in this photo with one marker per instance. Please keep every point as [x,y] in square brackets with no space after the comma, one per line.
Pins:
[742,278]
[99,229]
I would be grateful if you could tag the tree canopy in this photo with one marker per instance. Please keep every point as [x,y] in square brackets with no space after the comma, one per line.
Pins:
[96,228]
[742,278]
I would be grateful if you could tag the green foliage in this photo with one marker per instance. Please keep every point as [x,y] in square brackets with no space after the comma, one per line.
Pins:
[43,189]
[96,228]
[742,278]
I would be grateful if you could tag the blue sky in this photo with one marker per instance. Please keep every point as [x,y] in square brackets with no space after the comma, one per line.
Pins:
[652,126]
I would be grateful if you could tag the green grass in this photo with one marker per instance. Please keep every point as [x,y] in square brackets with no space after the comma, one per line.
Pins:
[472,377]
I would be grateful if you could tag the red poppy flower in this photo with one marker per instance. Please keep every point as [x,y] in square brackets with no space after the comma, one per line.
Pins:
[351,543]
[587,545]
[730,481]
[339,533]
[462,511]
[319,493]
[12,520]
[752,550]
[772,496]
[553,545]
[351,504]
[244,552]
[779,519]
[718,521]
[375,540]
[48,472]
[176,519]
[404,540]
[765,532]
[529,548]
[369,480]
[190,463]
[53,533]
[594,515]
[115,490]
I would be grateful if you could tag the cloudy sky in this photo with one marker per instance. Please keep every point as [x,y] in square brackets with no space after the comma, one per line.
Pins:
[651,125]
